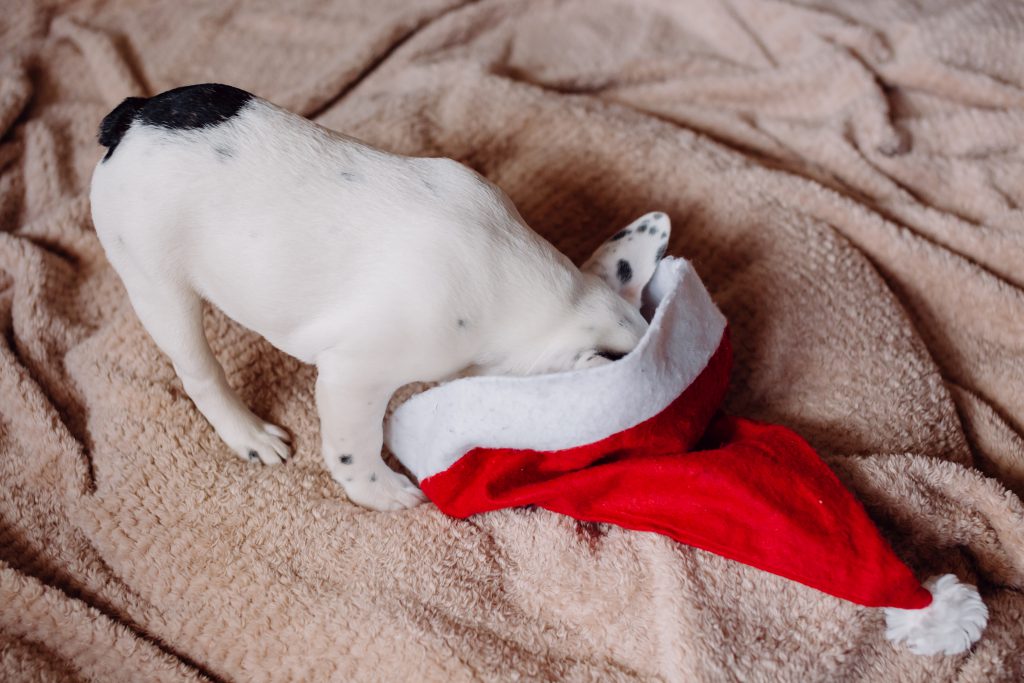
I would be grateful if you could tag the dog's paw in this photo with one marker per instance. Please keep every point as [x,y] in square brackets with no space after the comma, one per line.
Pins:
[382,490]
[262,442]
[628,259]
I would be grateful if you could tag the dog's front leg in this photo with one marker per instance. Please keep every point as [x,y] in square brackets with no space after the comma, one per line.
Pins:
[351,403]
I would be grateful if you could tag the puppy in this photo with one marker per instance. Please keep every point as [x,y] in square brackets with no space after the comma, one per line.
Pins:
[380,269]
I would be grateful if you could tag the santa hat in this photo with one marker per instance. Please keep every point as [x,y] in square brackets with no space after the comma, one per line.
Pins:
[640,443]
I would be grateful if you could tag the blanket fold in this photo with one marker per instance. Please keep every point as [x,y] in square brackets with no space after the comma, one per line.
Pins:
[846,178]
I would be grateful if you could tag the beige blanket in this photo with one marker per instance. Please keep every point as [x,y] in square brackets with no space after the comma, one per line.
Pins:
[847,177]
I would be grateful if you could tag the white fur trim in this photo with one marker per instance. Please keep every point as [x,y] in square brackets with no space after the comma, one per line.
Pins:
[949,625]
[432,430]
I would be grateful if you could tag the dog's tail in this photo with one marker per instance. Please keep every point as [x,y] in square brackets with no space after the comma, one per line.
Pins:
[115,124]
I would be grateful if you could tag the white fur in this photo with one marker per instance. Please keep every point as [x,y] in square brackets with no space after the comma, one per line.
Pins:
[949,625]
[378,268]
[431,431]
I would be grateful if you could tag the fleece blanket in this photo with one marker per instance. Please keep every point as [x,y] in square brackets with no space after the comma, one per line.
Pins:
[847,179]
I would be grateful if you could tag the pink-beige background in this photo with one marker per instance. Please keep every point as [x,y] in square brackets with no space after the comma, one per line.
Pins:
[846,177]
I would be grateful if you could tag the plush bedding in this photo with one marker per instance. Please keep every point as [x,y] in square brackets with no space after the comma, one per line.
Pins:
[847,179]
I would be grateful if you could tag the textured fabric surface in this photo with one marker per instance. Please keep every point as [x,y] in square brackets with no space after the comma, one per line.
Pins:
[847,178]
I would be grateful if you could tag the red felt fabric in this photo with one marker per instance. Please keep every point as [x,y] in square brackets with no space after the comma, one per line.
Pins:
[754,493]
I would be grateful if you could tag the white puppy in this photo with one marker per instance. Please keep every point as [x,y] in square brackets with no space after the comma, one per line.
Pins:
[380,269]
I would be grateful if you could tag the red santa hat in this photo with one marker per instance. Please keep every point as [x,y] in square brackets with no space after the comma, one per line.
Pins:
[641,443]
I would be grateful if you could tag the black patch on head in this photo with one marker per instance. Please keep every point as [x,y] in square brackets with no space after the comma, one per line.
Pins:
[642,228]
[253,455]
[610,355]
[345,459]
[624,271]
[373,477]
[661,253]
[115,124]
[619,235]
[224,152]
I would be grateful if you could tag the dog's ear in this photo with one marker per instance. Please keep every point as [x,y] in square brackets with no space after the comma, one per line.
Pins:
[626,261]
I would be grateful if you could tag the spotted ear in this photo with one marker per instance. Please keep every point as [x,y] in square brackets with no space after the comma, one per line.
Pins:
[626,261]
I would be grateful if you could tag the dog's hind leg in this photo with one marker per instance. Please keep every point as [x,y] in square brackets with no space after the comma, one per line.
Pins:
[173,316]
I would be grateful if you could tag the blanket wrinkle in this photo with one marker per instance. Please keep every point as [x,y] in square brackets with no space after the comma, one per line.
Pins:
[392,45]
[847,179]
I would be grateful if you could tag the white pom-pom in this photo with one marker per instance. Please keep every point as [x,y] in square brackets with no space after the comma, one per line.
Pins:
[950,624]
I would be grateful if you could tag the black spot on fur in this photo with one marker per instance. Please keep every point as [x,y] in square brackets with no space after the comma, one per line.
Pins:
[193,106]
[345,459]
[430,187]
[661,253]
[224,152]
[373,478]
[624,271]
[610,355]
[642,228]
[460,322]
[186,108]
[619,235]
[253,455]
[115,124]
[664,235]
[659,215]
[351,176]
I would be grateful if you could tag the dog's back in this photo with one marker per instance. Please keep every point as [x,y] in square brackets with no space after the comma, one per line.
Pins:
[290,228]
